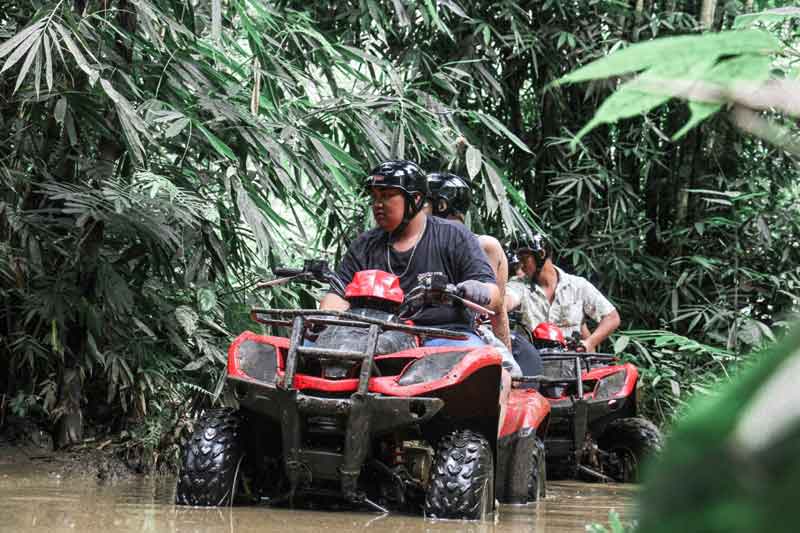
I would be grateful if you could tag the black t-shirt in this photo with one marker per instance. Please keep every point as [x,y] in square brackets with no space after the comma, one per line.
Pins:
[445,247]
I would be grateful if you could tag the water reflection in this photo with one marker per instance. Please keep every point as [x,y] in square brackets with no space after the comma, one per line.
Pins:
[41,501]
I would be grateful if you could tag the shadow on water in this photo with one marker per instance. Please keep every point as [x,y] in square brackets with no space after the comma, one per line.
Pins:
[41,501]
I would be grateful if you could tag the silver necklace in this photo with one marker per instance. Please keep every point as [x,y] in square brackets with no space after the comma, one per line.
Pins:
[413,251]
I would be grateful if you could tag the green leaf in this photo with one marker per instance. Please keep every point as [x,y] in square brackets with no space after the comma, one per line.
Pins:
[636,97]
[700,111]
[21,50]
[621,343]
[60,110]
[474,161]
[176,127]
[206,300]
[80,59]
[16,40]
[493,124]
[23,71]
[48,65]
[197,364]
[770,16]
[685,49]
[222,149]
[187,318]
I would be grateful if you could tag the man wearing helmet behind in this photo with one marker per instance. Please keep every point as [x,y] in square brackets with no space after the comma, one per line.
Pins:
[545,293]
[450,197]
[414,247]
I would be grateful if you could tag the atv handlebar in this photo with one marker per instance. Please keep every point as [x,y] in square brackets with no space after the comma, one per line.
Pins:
[313,270]
[436,290]
[283,272]
[433,290]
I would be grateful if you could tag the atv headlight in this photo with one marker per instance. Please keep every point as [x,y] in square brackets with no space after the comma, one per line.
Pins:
[258,360]
[430,367]
[610,385]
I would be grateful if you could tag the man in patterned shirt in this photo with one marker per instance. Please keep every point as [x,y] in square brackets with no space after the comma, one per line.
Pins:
[545,293]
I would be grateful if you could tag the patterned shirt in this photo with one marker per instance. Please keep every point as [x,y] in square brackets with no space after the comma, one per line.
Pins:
[574,299]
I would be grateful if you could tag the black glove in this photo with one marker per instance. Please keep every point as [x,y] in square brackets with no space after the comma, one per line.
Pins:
[474,291]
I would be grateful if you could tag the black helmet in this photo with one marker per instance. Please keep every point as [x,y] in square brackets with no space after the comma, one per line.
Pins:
[406,176]
[535,244]
[449,194]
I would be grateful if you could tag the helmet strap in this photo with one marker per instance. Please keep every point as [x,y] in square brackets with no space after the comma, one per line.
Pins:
[412,208]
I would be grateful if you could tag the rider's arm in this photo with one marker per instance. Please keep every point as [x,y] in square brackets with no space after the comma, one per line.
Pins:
[606,327]
[497,260]
[597,307]
[334,302]
[512,298]
[352,262]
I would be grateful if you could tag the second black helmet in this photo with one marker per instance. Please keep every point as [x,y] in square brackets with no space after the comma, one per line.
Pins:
[449,194]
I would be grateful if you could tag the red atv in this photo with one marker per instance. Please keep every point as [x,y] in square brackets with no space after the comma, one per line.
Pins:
[595,430]
[363,416]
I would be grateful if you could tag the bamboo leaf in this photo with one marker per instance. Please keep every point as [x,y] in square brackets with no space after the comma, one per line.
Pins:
[221,148]
[176,127]
[474,161]
[493,124]
[21,50]
[60,110]
[769,16]
[80,59]
[691,49]
[37,74]
[48,64]
[23,71]
[16,40]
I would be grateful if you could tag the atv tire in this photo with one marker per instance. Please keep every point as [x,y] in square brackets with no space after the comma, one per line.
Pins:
[631,441]
[462,478]
[211,460]
[538,481]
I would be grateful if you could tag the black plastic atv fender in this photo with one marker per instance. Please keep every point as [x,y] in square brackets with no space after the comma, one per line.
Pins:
[211,460]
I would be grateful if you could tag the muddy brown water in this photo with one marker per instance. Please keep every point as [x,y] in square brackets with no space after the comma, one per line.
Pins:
[34,499]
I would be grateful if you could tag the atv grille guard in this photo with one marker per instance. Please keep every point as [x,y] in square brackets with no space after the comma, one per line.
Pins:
[301,319]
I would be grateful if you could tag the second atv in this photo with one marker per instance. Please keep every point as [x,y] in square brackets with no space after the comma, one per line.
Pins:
[596,431]
[359,414]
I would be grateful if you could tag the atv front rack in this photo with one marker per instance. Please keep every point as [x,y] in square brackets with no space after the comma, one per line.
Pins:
[301,319]
[364,412]
[580,407]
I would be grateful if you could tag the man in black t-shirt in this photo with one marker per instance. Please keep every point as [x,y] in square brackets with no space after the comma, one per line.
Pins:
[413,246]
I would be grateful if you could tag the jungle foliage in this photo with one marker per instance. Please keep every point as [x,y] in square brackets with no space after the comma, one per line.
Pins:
[157,156]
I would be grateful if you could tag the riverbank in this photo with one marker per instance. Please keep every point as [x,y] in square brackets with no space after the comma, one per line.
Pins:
[25,446]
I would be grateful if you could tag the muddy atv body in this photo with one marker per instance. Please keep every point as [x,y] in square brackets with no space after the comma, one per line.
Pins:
[367,423]
[595,429]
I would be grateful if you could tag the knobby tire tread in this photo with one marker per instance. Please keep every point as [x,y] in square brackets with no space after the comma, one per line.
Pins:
[210,459]
[463,470]
[639,435]
[537,484]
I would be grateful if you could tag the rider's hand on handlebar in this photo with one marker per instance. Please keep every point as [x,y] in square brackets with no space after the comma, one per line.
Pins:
[474,291]
[587,346]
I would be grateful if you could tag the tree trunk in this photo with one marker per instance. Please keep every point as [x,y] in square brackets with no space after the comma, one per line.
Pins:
[707,14]
[69,426]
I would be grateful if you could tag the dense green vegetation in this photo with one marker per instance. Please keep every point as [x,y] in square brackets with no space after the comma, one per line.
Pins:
[158,156]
